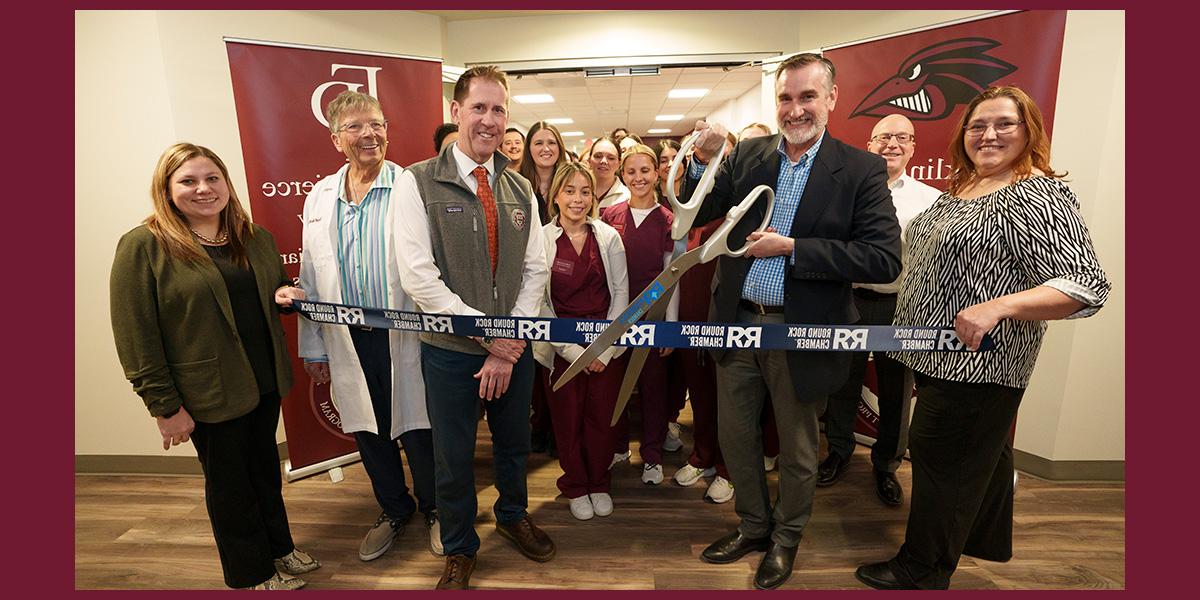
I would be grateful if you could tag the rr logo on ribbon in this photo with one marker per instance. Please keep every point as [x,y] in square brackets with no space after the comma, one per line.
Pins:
[347,315]
[533,330]
[850,339]
[639,335]
[743,337]
[948,340]
[437,324]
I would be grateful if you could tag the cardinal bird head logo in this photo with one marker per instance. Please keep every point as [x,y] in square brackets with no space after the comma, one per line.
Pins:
[931,82]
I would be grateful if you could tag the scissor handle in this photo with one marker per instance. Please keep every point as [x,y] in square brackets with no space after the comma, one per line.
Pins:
[718,243]
[685,214]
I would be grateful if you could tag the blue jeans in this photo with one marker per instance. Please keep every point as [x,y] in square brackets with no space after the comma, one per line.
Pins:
[379,452]
[452,397]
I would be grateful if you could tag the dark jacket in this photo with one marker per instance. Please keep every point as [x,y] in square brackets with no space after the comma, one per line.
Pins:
[845,230]
[175,332]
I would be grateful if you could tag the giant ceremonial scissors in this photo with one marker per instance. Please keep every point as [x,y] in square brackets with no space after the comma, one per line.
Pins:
[652,302]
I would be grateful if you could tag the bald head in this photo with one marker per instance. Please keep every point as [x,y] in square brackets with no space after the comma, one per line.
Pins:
[893,124]
[893,138]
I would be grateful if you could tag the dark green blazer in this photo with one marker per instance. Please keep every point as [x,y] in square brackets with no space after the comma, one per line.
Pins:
[175,332]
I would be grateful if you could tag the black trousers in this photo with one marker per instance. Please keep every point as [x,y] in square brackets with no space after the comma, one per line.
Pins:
[379,452]
[243,492]
[895,385]
[962,492]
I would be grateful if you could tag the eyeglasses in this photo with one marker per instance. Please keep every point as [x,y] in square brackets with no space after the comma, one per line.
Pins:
[358,128]
[1001,128]
[901,138]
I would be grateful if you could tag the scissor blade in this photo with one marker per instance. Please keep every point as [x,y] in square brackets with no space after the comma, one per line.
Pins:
[637,359]
[658,289]
[633,369]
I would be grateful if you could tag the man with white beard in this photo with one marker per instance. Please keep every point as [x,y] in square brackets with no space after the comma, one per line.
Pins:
[833,224]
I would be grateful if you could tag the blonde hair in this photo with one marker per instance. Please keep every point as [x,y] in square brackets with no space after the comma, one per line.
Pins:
[347,102]
[565,173]
[640,150]
[168,224]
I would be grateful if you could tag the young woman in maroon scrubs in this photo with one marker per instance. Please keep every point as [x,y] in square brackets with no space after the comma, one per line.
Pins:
[587,281]
[645,227]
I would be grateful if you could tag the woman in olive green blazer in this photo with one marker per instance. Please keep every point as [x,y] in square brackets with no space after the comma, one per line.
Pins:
[199,338]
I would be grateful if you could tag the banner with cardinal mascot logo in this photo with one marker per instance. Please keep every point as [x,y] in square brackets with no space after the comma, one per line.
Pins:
[930,76]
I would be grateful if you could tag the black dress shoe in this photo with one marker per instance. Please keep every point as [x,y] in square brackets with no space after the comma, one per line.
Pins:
[775,567]
[830,470]
[881,577]
[733,547]
[888,488]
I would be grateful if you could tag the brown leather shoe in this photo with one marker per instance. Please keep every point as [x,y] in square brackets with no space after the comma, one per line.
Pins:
[531,541]
[457,575]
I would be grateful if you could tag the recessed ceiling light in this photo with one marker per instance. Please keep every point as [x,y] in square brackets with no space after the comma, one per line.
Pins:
[572,133]
[687,93]
[668,117]
[533,98]
[658,131]
[560,121]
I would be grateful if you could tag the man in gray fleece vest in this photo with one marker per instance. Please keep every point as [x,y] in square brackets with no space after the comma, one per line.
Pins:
[470,243]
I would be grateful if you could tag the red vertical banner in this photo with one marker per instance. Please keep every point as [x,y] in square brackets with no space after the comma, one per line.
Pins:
[930,76]
[280,93]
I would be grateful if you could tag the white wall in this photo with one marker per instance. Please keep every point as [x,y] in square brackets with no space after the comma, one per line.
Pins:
[739,112]
[144,80]
[1074,408]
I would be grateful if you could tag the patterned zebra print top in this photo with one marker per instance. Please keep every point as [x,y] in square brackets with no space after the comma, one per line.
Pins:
[963,252]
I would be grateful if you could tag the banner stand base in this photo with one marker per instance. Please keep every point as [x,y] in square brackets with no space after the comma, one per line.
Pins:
[333,463]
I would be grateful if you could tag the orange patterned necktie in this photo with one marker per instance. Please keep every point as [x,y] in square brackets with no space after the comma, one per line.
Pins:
[489,210]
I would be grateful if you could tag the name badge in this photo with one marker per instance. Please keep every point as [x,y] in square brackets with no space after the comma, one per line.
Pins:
[563,266]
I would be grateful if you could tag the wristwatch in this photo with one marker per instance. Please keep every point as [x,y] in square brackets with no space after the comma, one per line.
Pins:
[486,342]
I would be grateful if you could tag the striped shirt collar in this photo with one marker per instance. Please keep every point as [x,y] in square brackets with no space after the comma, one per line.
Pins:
[385,180]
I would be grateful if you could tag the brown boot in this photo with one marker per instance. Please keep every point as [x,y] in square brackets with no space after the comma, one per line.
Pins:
[457,575]
[531,541]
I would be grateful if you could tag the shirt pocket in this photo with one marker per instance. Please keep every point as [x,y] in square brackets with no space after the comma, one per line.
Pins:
[199,382]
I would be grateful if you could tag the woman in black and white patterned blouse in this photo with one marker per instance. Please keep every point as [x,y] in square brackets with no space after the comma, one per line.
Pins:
[1002,251]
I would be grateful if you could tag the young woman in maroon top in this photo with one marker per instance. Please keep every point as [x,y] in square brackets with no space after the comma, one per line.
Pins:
[588,280]
[645,227]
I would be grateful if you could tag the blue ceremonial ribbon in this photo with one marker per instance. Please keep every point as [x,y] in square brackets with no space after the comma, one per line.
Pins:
[653,334]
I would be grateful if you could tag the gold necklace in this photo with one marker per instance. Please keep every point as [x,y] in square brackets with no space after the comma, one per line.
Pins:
[221,239]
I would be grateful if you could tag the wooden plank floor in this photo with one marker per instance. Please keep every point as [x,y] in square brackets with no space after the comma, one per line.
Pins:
[140,532]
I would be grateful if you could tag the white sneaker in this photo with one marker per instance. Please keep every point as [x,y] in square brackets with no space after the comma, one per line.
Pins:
[688,475]
[719,491]
[769,462]
[619,457]
[601,504]
[672,443]
[581,508]
[652,474]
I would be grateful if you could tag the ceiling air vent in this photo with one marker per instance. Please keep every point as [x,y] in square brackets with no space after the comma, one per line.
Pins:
[620,71]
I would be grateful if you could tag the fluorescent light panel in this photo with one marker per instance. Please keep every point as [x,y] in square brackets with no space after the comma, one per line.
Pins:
[658,131]
[668,118]
[572,134]
[560,121]
[533,98]
[687,93]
